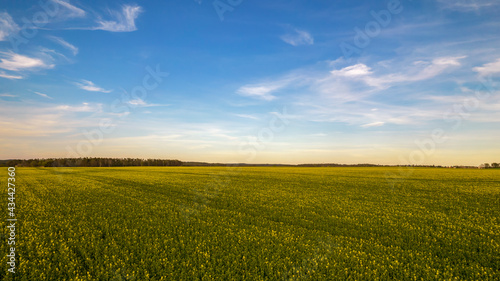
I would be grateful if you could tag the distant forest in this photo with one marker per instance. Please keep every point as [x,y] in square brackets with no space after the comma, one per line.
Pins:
[127,162]
[89,162]
[490,166]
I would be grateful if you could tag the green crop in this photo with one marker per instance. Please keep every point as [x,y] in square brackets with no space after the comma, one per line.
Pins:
[265,223]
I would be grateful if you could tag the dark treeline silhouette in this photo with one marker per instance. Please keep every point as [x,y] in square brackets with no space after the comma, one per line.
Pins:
[205,164]
[339,165]
[126,162]
[89,162]
[490,166]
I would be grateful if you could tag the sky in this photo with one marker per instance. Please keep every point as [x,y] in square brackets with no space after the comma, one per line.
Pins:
[384,82]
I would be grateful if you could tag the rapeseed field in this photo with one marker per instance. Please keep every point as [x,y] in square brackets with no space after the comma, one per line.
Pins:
[255,223]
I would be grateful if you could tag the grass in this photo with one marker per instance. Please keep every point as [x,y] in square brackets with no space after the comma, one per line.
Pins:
[217,223]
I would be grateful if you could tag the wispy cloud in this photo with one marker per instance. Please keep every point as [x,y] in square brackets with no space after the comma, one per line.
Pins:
[353,71]
[71,11]
[43,95]
[467,5]
[352,82]
[84,107]
[28,119]
[349,94]
[15,62]
[264,91]
[260,92]
[247,116]
[489,68]
[420,70]
[298,37]
[7,26]
[374,124]
[123,21]
[9,76]
[141,103]
[137,102]
[8,95]
[423,70]
[65,44]
[91,87]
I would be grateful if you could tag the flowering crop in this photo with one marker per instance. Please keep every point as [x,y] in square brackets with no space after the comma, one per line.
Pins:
[264,223]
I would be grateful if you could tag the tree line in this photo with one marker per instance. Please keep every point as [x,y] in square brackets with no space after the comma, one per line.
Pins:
[89,162]
[491,166]
[126,162]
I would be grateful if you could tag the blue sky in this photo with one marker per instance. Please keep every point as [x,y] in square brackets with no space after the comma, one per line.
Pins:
[385,82]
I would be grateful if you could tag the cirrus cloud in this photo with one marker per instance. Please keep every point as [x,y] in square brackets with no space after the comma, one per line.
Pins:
[353,71]
[467,5]
[65,44]
[298,37]
[489,68]
[16,62]
[9,76]
[123,22]
[7,26]
[70,11]
[91,87]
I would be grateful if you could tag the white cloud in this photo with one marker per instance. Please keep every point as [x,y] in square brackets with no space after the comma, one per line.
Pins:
[421,70]
[448,61]
[124,21]
[374,124]
[65,44]
[16,62]
[7,26]
[263,91]
[43,95]
[359,81]
[247,116]
[8,76]
[8,95]
[141,103]
[91,87]
[348,94]
[20,121]
[72,11]
[137,102]
[433,69]
[298,37]
[353,71]
[260,92]
[488,69]
[319,135]
[84,107]
[467,5]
